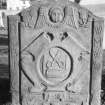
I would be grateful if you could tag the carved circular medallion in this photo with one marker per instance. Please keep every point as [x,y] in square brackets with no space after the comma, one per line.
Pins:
[56,15]
[55,65]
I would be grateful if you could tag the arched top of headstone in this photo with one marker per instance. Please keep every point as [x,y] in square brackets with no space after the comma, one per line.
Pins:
[55,13]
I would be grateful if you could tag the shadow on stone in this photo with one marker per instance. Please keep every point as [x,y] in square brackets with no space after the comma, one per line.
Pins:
[4,91]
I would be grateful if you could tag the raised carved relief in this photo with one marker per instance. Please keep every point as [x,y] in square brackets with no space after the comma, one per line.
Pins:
[29,17]
[83,18]
[97,58]
[53,98]
[56,15]
[55,59]
[28,60]
[49,36]
[55,65]
[54,69]
[14,55]
[39,17]
[71,18]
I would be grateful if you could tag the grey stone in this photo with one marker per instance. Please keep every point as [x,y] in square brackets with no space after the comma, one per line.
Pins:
[55,55]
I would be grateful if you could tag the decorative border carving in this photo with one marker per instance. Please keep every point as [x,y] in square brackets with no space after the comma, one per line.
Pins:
[14,58]
[96,60]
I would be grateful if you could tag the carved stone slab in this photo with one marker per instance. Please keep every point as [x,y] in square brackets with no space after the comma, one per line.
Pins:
[60,54]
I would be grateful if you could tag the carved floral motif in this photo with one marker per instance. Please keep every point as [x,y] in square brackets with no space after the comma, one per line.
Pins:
[29,17]
[83,18]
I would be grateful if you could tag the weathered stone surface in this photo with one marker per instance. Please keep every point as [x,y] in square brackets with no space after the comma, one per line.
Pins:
[14,58]
[97,54]
[60,54]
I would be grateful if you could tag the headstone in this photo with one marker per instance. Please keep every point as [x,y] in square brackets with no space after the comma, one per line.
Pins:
[55,55]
